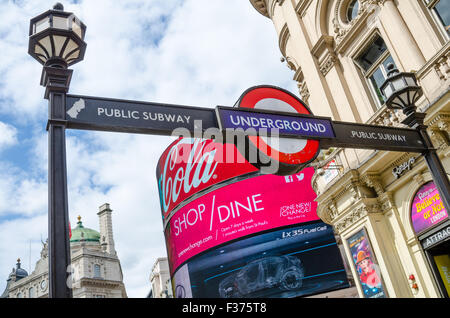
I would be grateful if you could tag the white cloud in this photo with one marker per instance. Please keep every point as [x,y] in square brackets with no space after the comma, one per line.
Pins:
[8,135]
[192,52]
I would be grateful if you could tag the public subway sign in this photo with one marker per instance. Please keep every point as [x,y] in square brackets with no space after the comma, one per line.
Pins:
[362,136]
[105,114]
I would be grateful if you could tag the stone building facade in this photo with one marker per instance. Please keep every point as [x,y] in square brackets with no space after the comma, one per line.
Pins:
[160,279]
[338,51]
[96,269]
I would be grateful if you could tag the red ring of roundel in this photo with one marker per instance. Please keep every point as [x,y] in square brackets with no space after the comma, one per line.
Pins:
[308,153]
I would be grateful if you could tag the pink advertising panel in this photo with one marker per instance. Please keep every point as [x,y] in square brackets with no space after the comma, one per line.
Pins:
[190,165]
[240,209]
[427,208]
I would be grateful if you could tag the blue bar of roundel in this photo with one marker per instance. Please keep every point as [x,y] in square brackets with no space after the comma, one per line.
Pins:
[293,125]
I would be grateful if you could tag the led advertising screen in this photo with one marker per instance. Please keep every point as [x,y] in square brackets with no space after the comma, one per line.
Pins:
[289,262]
[190,165]
[232,232]
[239,209]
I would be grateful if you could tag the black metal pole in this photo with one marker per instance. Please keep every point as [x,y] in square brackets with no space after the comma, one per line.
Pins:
[440,178]
[56,81]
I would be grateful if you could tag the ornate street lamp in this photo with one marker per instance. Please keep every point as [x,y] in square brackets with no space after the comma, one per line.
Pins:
[57,38]
[57,42]
[402,92]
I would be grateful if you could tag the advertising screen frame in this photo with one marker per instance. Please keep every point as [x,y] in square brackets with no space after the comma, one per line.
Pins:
[196,277]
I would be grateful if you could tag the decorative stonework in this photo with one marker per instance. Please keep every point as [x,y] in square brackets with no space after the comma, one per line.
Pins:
[324,52]
[438,128]
[373,181]
[344,29]
[301,84]
[327,64]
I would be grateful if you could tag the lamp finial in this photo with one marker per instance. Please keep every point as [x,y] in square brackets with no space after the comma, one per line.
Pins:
[58,6]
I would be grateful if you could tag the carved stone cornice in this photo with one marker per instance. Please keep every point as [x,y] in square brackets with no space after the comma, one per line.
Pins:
[260,6]
[353,214]
[373,181]
[441,121]
[323,51]
[283,39]
[302,6]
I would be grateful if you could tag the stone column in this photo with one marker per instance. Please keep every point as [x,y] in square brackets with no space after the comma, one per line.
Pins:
[106,232]
[403,42]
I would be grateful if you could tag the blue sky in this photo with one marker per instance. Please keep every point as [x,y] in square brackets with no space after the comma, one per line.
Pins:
[191,52]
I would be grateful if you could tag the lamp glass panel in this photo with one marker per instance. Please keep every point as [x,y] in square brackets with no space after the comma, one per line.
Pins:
[41,25]
[59,42]
[398,83]
[39,50]
[74,55]
[72,45]
[397,103]
[404,97]
[76,28]
[46,43]
[411,81]
[60,23]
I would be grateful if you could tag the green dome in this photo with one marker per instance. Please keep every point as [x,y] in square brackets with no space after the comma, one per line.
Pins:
[81,233]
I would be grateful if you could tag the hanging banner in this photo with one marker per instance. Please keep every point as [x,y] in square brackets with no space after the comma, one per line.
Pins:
[366,265]
[240,209]
[427,208]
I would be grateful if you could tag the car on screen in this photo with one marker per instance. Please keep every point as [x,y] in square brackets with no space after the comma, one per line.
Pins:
[283,272]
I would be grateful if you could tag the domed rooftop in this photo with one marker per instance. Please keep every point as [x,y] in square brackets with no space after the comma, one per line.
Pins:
[81,233]
[19,272]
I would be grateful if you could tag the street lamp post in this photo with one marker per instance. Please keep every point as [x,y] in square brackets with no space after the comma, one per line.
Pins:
[57,41]
[402,91]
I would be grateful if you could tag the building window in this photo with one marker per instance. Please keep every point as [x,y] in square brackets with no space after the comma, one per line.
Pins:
[441,10]
[97,273]
[373,63]
[352,10]
[19,295]
[98,296]
[31,292]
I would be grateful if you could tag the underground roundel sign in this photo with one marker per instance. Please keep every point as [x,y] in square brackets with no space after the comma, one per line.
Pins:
[292,155]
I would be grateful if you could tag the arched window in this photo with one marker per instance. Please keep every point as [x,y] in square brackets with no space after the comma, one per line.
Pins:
[31,292]
[352,10]
[97,273]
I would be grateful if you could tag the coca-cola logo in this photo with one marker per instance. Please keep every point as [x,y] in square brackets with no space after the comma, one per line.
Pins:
[193,164]
[199,168]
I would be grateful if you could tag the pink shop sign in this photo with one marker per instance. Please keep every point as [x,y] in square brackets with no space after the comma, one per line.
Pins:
[240,209]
